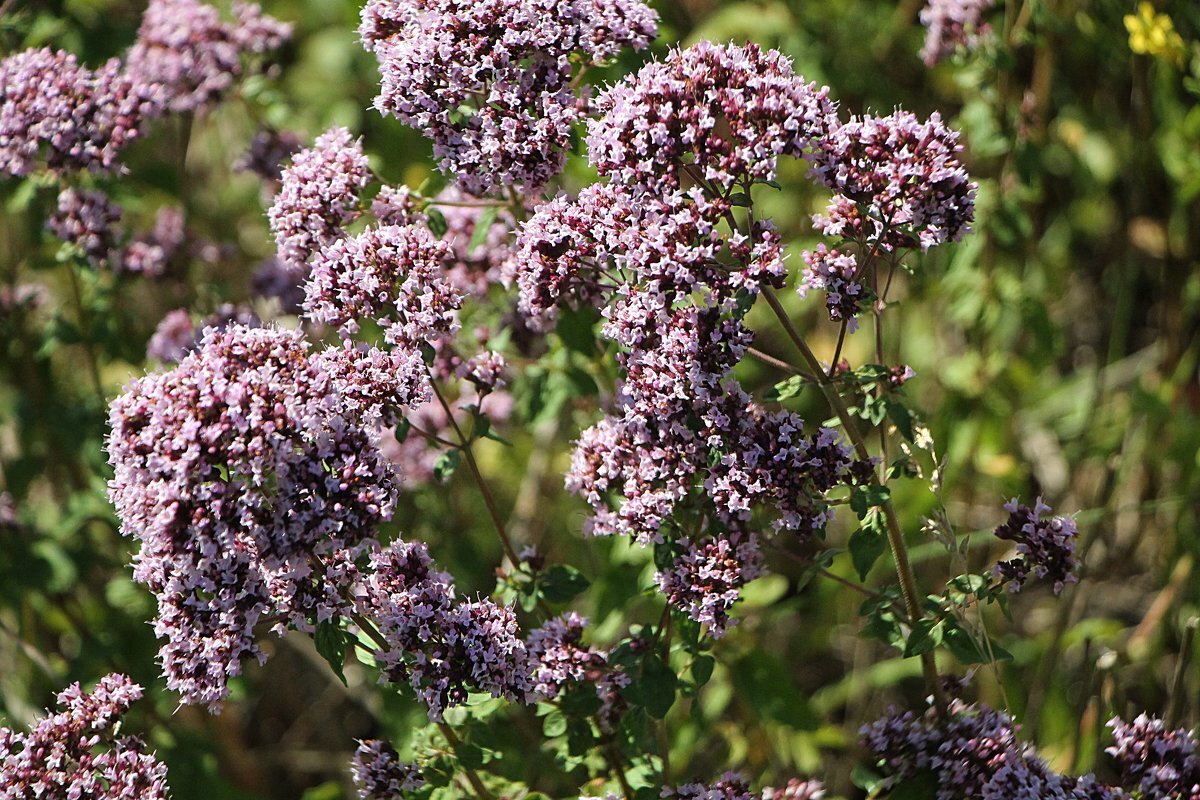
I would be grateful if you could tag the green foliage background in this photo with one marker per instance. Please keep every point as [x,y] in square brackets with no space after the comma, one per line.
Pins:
[1057,352]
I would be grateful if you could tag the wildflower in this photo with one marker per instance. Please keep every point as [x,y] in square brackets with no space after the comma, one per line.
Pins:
[490,82]
[392,274]
[1151,33]
[898,180]
[707,578]
[149,254]
[441,646]
[244,479]
[75,752]
[1045,547]
[379,774]
[720,115]
[558,657]
[1161,763]
[951,24]
[836,274]
[86,219]
[318,196]
[191,57]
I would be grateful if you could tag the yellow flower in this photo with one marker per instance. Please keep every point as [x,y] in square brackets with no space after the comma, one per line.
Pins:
[1155,35]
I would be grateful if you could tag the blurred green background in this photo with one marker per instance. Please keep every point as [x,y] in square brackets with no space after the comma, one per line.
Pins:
[1057,352]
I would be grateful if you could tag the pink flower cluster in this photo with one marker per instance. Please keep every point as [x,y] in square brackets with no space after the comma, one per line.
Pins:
[54,108]
[318,196]
[74,753]
[438,644]
[902,179]
[391,274]
[490,81]
[244,478]
[720,115]
[89,220]
[951,24]
[675,271]
[1159,762]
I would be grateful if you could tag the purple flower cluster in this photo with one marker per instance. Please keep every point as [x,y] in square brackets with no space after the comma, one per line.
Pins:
[149,253]
[558,657]
[734,786]
[392,274]
[379,774]
[86,219]
[707,579]
[674,285]
[318,196]
[951,24]
[898,182]
[54,108]
[1045,547]
[836,274]
[441,646]
[489,81]
[177,334]
[719,114]
[267,154]
[89,220]
[191,56]
[590,249]
[74,753]
[245,478]
[1159,762]
[973,753]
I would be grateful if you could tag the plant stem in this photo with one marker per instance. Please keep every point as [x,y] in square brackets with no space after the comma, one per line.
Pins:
[1175,708]
[488,500]
[908,581]
[614,763]
[85,330]
[472,777]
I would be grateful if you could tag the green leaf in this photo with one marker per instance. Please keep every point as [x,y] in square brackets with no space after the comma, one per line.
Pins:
[446,463]
[785,389]
[864,498]
[482,225]
[561,583]
[330,640]
[968,650]
[867,544]
[658,686]
[555,724]
[702,669]
[437,222]
[740,199]
[921,786]
[865,779]
[577,329]
[900,416]
[402,429]
[925,636]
